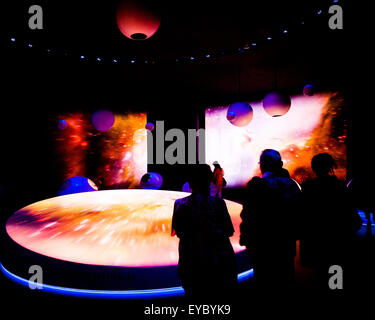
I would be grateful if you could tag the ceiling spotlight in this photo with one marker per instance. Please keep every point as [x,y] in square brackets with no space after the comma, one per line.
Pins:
[132,61]
[98,59]
[30,45]
[82,57]
[285,31]
[319,12]
[254,44]
[192,58]
[115,60]
[12,39]
[269,38]
[207,55]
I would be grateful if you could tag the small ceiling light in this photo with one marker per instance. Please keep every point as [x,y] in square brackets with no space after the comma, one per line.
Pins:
[82,57]
[269,38]
[12,39]
[192,58]
[98,59]
[115,60]
[30,45]
[254,44]
[285,31]
[319,12]
[132,61]
[208,55]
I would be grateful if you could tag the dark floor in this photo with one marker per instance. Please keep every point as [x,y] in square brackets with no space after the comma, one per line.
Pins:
[306,300]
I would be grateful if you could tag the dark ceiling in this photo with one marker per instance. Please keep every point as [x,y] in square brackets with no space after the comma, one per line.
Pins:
[187,27]
[308,53]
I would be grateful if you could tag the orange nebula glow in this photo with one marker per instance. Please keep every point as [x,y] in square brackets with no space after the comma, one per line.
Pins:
[314,124]
[119,155]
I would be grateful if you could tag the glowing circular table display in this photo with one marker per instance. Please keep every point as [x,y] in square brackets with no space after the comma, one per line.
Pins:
[125,228]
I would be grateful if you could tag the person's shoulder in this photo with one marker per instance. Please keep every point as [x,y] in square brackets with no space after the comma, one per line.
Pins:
[254,180]
[309,183]
[215,199]
[182,201]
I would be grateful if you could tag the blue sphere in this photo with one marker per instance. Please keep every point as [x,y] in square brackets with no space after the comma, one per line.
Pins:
[151,180]
[240,114]
[308,90]
[76,185]
[62,124]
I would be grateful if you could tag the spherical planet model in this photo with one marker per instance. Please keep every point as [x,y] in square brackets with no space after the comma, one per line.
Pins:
[103,120]
[137,20]
[62,124]
[308,90]
[231,115]
[150,126]
[77,184]
[240,114]
[276,104]
[151,180]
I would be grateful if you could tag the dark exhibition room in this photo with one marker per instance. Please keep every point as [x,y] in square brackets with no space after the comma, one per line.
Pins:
[186,159]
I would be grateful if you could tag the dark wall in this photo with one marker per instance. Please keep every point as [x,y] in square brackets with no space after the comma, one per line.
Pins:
[40,85]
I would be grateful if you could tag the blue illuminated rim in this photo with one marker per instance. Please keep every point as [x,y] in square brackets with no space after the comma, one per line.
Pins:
[113,294]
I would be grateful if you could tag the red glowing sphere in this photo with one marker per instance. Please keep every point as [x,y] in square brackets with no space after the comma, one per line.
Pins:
[136,19]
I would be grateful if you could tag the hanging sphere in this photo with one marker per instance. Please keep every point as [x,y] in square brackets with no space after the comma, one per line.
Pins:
[62,124]
[136,19]
[240,114]
[151,180]
[77,184]
[103,120]
[308,90]
[150,126]
[231,115]
[276,104]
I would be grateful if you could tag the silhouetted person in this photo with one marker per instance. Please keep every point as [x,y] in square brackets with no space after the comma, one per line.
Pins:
[283,173]
[329,222]
[268,227]
[217,181]
[99,182]
[207,265]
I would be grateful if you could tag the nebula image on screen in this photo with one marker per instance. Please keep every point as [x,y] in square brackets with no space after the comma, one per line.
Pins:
[110,227]
[117,157]
[314,124]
